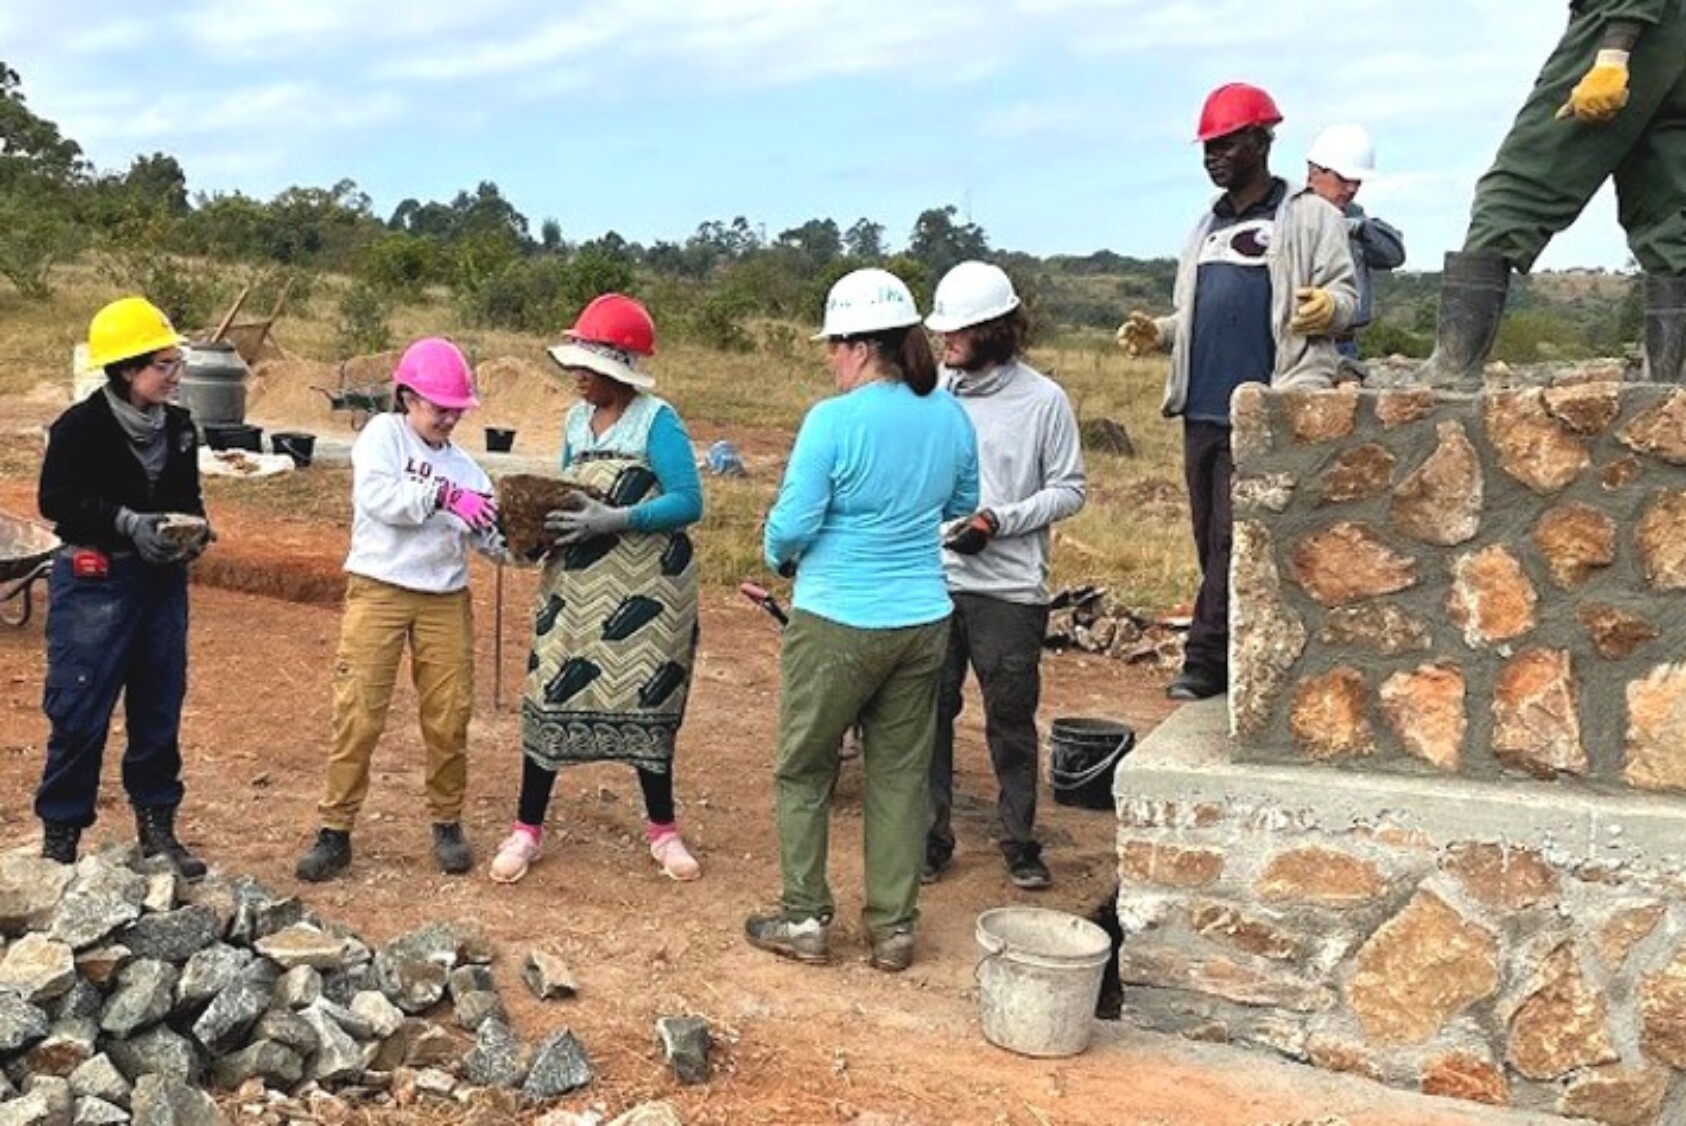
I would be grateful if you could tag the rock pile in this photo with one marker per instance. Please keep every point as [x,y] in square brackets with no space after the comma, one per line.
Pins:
[1083,618]
[125,995]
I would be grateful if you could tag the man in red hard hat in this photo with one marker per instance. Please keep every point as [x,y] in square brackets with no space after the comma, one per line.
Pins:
[1265,283]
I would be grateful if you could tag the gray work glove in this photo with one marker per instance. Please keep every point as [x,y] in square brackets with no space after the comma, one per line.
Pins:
[144,529]
[591,519]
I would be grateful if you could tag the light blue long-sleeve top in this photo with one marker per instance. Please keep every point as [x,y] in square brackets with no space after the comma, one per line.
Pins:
[650,428]
[872,476]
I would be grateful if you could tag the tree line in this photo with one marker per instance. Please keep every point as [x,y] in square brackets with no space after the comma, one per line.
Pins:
[728,284]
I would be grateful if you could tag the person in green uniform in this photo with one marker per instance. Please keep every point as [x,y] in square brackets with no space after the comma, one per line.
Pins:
[1610,102]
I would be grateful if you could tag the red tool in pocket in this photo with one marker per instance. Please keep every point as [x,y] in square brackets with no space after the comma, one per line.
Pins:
[86,563]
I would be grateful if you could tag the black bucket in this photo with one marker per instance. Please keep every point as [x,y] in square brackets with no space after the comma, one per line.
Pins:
[298,446]
[499,439]
[1083,754]
[233,436]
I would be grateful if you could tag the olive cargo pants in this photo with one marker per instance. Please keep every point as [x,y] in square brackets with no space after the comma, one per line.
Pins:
[829,675]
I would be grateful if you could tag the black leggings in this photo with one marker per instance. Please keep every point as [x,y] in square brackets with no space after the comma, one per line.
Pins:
[537,782]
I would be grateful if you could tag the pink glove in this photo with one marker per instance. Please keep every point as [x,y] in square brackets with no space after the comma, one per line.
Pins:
[474,509]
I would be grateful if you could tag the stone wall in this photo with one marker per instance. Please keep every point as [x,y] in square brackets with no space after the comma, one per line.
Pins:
[1473,585]
[1508,942]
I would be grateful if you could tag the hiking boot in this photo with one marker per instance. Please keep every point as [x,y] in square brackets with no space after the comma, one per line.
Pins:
[1025,867]
[516,854]
[328,857]
[155,825]
[806,940]
[676,860]
[59,840]
[892,951]
[450,850]
[1196,682]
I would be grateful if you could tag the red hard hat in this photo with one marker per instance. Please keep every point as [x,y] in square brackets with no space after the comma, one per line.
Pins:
[1236,106]
[618,321]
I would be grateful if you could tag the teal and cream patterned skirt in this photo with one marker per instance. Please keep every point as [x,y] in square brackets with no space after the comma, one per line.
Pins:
[614,636]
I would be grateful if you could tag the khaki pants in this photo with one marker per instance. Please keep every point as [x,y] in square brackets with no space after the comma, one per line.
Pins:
[379,619]
[829,675]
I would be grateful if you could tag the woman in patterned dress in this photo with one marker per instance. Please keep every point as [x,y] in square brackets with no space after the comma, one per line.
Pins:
[615,625]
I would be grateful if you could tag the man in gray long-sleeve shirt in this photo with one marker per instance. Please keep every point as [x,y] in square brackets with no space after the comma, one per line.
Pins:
[1030,471]
[1337,164]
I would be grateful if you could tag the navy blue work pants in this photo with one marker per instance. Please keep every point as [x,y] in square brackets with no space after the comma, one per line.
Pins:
[124,634]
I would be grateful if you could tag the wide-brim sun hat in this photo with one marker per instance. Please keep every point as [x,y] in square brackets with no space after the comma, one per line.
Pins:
[604,359]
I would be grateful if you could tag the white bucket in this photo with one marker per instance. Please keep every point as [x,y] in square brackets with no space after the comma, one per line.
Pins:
[84,379]
[1039,979]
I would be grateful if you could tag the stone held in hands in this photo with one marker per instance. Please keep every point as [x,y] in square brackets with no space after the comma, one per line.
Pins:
[523,499]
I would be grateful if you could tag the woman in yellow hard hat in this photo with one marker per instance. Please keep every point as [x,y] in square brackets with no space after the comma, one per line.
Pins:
[121,484]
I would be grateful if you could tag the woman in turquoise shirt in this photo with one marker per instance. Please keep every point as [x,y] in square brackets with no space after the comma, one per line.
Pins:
[874,473]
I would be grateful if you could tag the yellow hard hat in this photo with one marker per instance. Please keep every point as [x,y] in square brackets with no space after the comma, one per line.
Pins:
[129,327]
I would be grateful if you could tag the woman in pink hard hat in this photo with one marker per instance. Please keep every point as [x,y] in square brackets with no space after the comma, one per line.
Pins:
[615,630]
[420,502]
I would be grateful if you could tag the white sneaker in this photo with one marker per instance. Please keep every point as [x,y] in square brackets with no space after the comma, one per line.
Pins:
[515,854]
[676,860]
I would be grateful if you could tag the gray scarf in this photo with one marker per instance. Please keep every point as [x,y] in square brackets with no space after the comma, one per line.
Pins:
[971,384]
[145,431]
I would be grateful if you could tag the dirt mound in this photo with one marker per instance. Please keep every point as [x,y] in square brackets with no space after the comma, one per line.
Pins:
[514,393]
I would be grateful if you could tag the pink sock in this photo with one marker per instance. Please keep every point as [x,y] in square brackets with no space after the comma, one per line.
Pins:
[534,831]
[656,830]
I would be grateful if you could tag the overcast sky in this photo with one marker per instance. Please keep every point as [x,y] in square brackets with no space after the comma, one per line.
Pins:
[1060,126]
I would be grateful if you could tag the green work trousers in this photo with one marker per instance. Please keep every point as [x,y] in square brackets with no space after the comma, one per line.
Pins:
[829,675]
[1547,170]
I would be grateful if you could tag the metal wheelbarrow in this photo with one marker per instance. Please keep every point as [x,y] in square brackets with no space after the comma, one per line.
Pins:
[26,555]
[361,400]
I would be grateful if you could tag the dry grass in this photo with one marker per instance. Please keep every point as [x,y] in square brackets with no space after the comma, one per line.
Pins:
[1132,537]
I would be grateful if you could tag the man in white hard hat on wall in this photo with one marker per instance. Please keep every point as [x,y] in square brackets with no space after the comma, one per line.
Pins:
[1030,474]
[1337,164]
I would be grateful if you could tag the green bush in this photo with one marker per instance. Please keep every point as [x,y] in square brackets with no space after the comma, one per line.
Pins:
[35,234]
[140,257]
[1384,339]
[362,325]
[401,264]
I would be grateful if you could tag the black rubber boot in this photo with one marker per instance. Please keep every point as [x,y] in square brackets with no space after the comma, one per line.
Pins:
[1665,327]
[156,827]
[1472,299]
[59,840]
[329,856]
[450,849]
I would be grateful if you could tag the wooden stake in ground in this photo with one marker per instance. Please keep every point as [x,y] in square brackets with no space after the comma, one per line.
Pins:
[497,640]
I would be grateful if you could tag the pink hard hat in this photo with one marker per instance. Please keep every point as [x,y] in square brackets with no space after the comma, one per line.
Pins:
[435,369]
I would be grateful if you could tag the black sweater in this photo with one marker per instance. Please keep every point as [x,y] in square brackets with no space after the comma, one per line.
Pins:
[90,472]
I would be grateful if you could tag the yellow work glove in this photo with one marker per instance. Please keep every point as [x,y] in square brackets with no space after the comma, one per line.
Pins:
[1314,311]
[1602,91]
[1138,335]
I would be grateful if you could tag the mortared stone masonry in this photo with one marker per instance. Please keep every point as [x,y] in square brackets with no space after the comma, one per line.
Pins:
[1438,838]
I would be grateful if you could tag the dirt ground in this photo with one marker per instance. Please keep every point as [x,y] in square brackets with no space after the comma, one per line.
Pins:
[835,1044]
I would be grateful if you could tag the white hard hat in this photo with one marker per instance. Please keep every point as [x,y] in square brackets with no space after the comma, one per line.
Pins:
[970,294]
[869,300]
[1345,150]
